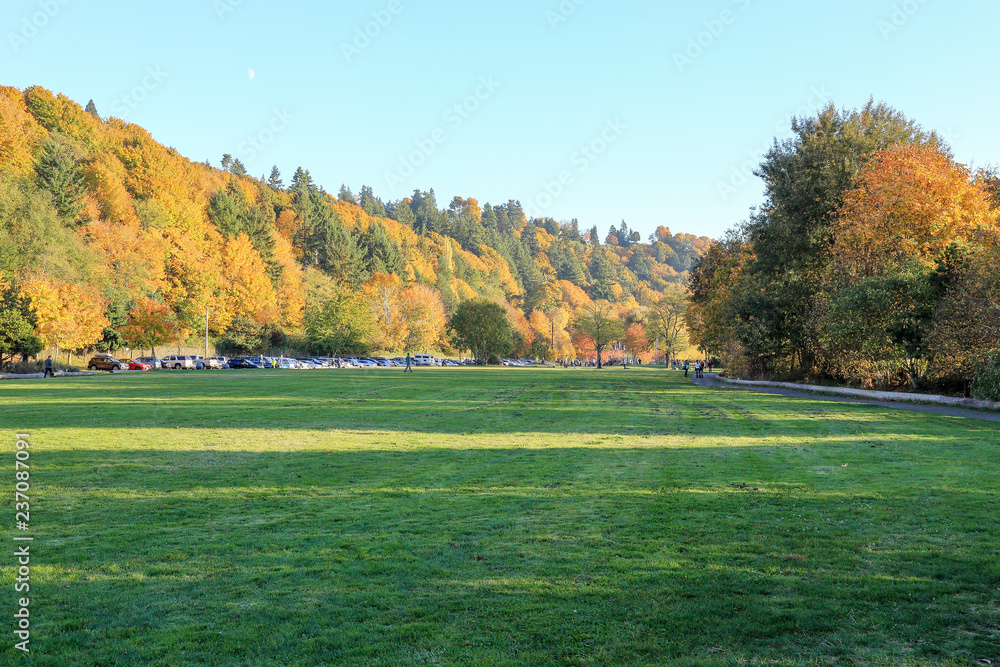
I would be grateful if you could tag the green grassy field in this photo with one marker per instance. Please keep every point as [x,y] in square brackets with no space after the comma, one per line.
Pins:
[495,517]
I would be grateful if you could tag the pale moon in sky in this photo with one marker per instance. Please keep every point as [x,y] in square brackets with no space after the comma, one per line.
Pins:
[252,75]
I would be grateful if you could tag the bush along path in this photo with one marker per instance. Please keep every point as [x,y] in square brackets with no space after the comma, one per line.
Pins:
[941,405]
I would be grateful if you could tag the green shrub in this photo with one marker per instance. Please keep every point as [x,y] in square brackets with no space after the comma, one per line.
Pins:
[986,385]
[29,367]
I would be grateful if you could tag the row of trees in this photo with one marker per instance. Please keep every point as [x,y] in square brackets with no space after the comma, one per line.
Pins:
[484,328]
[872,260]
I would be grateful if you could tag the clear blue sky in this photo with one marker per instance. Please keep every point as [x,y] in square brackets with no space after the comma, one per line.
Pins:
[671,141]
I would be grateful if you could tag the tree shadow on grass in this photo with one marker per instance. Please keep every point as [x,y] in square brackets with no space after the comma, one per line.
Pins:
[616,556]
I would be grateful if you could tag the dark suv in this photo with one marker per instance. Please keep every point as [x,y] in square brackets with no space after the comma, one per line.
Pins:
[105,362]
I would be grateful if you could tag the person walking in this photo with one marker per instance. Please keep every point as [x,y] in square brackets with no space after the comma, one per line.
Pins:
[685,369]
[48,367]
[408,362]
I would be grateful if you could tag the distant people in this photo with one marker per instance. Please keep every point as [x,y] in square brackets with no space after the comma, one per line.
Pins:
[686,366]
[48,367]
[409,367]
[709,366]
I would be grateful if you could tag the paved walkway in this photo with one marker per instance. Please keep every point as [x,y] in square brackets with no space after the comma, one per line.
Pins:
[711,380]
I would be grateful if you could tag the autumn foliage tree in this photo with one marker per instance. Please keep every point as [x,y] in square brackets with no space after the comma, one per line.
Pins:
[901,237]
[911,202]
[600,323]
[666,322]
[150,324]
[69,316]
[383,291]
[635,340]
[424,317]
[873,260]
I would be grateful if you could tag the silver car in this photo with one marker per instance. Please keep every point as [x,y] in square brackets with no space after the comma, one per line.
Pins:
[178,361]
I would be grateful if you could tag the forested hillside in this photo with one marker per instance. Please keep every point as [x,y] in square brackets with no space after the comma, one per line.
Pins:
[109,239]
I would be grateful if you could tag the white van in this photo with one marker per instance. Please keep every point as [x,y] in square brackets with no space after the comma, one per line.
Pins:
[423,360]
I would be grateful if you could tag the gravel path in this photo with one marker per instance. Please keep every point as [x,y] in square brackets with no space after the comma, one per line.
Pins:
[712,381]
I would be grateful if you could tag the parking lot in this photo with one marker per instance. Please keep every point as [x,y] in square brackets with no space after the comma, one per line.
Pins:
[107,362]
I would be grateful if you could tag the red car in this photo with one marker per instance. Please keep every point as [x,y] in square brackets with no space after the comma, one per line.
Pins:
[134,365]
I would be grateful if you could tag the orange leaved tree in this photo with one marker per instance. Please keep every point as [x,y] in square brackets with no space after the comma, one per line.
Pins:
[69,315]
[150,324]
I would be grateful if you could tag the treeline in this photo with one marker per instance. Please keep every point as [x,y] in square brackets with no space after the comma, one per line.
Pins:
[110,240]
[873,260]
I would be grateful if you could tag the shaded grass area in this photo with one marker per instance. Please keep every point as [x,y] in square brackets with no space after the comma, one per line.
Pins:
[499,517]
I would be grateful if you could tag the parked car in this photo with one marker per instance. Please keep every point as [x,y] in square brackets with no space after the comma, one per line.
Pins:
[217,362]
[155,362]
[202,363]
[178,361]
[136,365]
[105,362]
[243,362]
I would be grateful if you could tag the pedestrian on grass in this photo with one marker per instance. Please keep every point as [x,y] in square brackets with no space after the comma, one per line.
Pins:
[685,369]
[48,367]
[408,361]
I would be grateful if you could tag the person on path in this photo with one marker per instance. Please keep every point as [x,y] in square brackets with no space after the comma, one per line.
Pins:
[709,366]
[408,361]
[48,367]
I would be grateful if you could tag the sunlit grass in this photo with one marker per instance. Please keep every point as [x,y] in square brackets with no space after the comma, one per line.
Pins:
[499,517]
